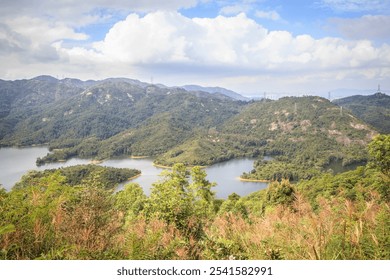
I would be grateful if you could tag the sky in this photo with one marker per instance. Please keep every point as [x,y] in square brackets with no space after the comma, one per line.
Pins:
[278,47]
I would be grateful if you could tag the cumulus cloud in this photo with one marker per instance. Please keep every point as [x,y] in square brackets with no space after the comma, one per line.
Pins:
[32,39]
[169,37]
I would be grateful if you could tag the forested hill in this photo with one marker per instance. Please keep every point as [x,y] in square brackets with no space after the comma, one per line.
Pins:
[106,118]
[373,109]
[304,135]
[102,119]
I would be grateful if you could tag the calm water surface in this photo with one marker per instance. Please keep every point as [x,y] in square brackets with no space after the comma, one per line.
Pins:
[14,162]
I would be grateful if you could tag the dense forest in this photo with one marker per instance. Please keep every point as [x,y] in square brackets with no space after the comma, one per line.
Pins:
[302,134]
[57,215]
[106,177]
[373,109]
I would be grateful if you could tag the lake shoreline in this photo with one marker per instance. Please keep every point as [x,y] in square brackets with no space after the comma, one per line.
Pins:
[253,180]
[134,177]
[16,162]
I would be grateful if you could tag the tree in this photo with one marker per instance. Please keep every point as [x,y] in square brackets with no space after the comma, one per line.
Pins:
[379,150]
[181,203]
[280,193]
[168,199]
[234,205]
[200,194]
[131,199]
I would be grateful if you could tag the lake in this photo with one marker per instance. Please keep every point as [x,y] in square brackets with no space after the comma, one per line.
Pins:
[15,162]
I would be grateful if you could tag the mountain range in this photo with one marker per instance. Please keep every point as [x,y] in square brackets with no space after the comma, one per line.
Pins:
[190,124]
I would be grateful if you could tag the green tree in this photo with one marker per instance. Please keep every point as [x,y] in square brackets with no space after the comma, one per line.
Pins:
[280,193]
[233,204]
[168,199]
[187,206]
[200,194]
[379,150]
[131,200]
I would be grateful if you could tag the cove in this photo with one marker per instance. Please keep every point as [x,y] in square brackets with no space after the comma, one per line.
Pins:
[15,162]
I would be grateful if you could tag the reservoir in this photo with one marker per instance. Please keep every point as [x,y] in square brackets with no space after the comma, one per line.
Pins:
[15,162]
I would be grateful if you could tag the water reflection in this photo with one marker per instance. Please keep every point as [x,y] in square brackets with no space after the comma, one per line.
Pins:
[14,162]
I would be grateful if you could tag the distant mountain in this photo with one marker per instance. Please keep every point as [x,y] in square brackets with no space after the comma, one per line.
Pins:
[345,92]
[373,109]
[127,80]
[220,90]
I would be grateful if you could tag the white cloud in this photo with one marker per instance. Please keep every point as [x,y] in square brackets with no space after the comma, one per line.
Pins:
[43,32]
[71,9]
[228,45]
[374,27]
[272,15]
[171,46]
[32,39]
[235,9]
[168,37]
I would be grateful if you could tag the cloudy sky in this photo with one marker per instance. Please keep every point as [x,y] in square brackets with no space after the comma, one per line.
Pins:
[252,47]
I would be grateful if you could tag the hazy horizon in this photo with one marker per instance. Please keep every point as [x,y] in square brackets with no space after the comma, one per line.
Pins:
[333,94]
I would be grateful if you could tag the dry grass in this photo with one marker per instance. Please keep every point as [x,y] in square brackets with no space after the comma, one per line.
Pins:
[338,230]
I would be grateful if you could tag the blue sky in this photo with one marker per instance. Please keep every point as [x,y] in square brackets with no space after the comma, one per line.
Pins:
[281,47]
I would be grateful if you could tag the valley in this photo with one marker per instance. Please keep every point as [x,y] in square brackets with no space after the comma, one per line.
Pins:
[124,117]
[318,173]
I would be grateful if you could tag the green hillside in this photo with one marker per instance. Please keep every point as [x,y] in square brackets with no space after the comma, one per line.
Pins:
[373,109]
[115,118]
[304,136]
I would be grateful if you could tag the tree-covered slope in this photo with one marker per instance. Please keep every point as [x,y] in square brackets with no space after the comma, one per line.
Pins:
[106,177]
[373,109]
[114,117]
[303,135]
[22,99]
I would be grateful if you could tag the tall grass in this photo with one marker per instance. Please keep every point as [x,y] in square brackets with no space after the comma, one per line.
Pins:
[338,229]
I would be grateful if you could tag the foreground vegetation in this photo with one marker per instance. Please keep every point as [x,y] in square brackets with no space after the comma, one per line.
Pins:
[343,216]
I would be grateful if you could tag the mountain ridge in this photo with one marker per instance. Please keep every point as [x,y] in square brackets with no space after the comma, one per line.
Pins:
[373,109]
